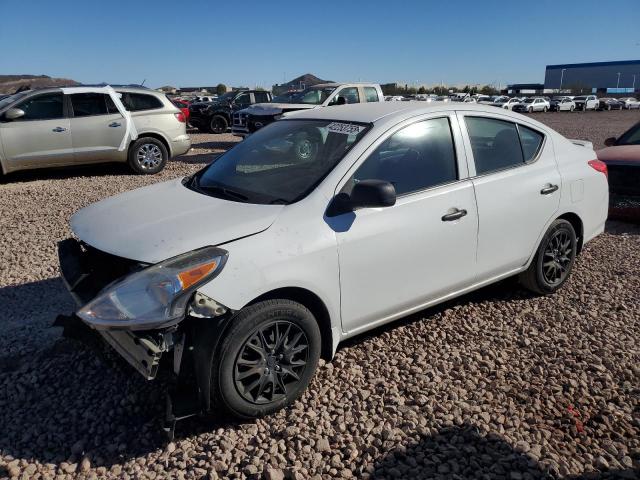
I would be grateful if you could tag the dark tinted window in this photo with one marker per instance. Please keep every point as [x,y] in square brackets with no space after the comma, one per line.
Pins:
[495,144]
[531,142]
[111,107]
[261,97]
[86,104]
[243,99]
[419,156]
[42,107]
[371,94]
[135,102]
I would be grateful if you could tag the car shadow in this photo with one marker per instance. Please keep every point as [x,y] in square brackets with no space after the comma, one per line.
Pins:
[63,173]
[197,159]
[464,451]
[214,145]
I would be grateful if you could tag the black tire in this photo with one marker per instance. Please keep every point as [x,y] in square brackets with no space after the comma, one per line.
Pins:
[609,107]
[553,261]
[545,109]
[238,364]
[530,110]
[147,156]
[218,124]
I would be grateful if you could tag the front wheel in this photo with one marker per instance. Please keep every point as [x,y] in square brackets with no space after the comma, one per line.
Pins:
[553,262]
[545,109]
[266,359]
[218,124]
[572,108]
[147,156]
[530,110]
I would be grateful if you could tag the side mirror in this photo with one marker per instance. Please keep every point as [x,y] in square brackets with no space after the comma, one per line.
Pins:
[13,114]
[610,142]
[365,194]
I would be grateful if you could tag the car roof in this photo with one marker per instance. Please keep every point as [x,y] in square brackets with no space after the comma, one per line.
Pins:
[341,84]
[376,111]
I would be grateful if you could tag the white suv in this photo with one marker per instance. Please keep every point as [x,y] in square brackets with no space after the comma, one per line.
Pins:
[254,267]
[56,127]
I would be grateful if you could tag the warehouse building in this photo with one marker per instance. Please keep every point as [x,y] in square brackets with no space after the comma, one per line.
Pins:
[597,77]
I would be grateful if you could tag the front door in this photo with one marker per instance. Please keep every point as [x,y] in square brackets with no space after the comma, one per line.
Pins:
[97,128]
[40,138]
[517,185]
[396,259]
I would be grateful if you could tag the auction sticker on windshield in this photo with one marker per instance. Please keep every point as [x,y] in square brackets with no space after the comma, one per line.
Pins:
[346,128]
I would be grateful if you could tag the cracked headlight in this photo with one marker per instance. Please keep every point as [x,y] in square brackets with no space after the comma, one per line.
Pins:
[155,296]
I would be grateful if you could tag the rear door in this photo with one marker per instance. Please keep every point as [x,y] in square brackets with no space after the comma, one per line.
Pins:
[40,138]
[517,187]
[97,128]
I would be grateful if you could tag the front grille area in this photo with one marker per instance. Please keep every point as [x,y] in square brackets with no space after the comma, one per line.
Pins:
[239,119]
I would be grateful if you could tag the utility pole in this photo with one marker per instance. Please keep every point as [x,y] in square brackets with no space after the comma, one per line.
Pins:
[561,78]
[618,84]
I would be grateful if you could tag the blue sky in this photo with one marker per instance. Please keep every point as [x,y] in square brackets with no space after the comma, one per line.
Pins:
[190,43]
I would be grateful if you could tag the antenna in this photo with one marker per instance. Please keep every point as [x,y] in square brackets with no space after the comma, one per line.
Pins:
[143,82]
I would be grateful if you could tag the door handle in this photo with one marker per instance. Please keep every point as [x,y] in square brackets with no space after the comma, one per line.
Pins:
[114,124]
[549,189]
[450,217]
[59,129]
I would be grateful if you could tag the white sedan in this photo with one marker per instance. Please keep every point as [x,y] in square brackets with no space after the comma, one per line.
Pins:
[630,102]
[265,260]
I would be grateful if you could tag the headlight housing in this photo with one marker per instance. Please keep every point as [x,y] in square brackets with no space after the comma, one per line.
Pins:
[156,296]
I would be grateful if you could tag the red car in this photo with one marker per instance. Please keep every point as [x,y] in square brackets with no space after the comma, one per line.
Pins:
[184,108]
[622,157]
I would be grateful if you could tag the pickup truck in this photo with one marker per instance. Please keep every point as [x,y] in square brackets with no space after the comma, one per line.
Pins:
[248,120]
[215,117]
[586,102]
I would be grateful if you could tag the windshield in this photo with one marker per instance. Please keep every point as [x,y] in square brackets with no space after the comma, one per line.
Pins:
[631,136]
[580,98]
[227,97]
[280,163]
[312,95]
[529,100]
[11,98]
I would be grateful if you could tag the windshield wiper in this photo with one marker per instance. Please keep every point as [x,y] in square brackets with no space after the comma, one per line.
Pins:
[227,192]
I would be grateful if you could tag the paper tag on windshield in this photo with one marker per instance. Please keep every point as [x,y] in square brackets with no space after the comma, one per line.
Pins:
[345,128]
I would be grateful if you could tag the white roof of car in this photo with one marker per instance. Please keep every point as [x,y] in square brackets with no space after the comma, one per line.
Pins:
[375,111]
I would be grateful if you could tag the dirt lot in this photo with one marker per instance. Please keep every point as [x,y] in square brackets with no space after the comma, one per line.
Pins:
[497,384]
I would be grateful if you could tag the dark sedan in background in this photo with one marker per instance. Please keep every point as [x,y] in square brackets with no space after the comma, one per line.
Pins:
[610,104]
[622,156]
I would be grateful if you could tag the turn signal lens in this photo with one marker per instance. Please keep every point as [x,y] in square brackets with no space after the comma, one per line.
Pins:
[600,166]
[194,275]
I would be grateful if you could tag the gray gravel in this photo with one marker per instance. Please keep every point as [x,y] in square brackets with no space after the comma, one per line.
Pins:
[497,384]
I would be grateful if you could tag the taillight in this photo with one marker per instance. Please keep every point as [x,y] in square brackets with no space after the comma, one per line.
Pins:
[180,117]
[600,166]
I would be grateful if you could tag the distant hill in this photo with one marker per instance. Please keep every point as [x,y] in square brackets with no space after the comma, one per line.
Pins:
[11,83]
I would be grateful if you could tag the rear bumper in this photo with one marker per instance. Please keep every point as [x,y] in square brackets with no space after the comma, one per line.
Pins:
[181,144]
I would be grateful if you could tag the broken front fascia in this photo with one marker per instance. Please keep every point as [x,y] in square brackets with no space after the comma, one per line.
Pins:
[131,288]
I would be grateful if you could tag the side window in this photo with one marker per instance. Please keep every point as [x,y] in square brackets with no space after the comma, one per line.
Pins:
[531,142]
[87,104]
[111,107]
[419,156]
[371,94]
[261,97]
[243,99]
[134,102]
[350,94]
[42,107]
[495,144]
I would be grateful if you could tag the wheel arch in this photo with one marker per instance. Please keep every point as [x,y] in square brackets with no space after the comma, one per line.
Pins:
[157,136]
[315,304]
[576,223]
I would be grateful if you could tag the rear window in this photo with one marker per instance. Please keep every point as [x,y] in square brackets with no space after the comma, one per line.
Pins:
[136,102]
[371,94]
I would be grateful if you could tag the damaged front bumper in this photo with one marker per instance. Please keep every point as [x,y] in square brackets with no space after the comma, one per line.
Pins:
[187,346]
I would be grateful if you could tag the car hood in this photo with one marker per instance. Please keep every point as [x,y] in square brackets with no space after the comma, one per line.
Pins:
[621,153]
[163,220]
[276,108]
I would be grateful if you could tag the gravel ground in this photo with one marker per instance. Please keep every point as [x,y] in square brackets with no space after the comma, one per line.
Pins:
[497,384]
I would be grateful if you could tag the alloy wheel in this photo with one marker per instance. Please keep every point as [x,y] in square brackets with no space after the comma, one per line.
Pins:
[557,258]
[271,362]
[149,156]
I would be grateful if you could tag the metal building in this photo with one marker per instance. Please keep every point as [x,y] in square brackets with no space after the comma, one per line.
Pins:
[596,77]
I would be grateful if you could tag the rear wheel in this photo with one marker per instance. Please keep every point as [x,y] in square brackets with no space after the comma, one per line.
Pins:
[545,109]
[530,110]
[266,359]
[148,156]
[218,124]
[554,259]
